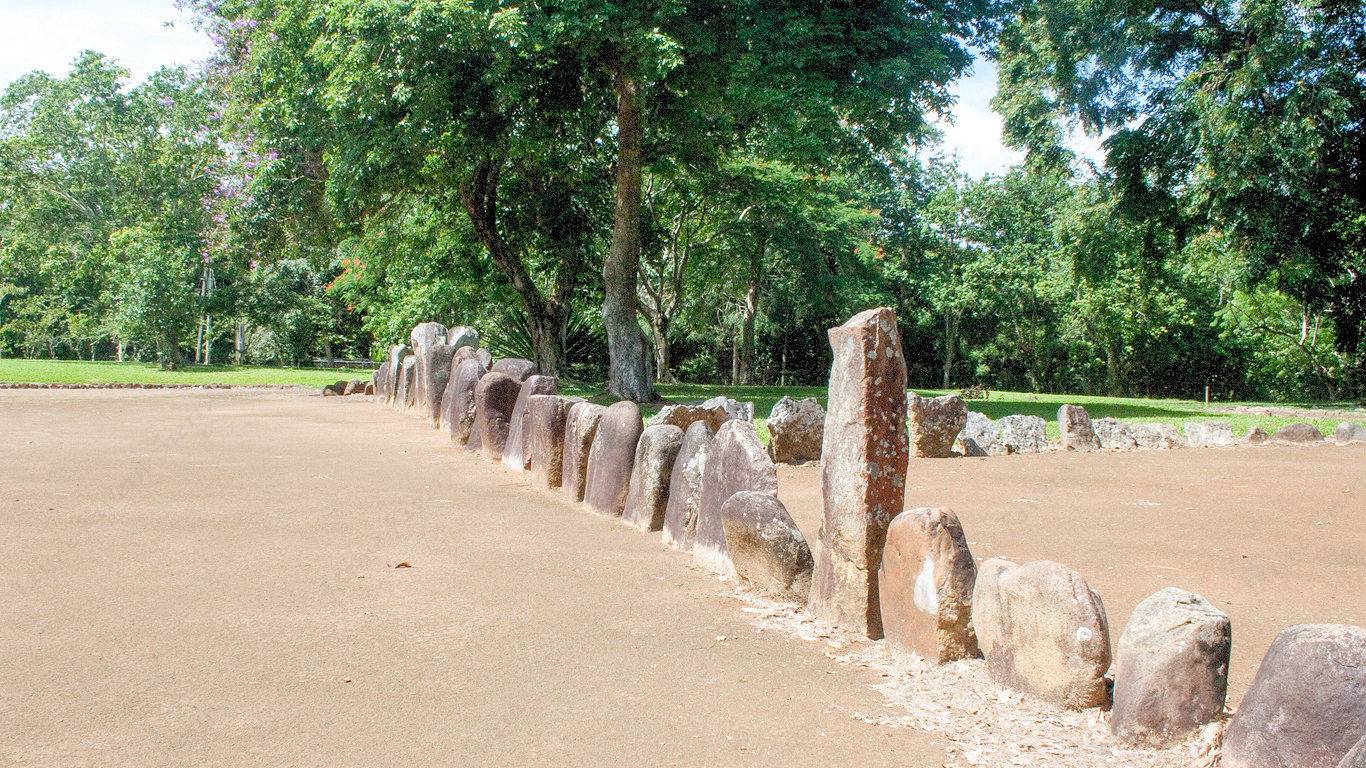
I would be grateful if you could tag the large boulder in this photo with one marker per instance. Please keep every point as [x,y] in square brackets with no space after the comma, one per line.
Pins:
[1021,434]
[1350,432]
[1043,632]
[935,424]
[1113,434]
[434,365]
[685,487]
[457,402]
[545,430]
[1171,669]
[647,496]
[494,396]
[766,548]
[612,458]
[515,367]
[1306,707]
[978,436]
[1156,437]
[794,430]
[1074,423]
[1300,434]
[736,461]
[580,427]
[716,411]
[515,455]
[863,468]
[925,586]
[1208,434]
[462,336]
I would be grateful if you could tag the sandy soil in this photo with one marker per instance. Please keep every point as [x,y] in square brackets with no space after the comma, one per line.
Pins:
[203,579]
[1272,535]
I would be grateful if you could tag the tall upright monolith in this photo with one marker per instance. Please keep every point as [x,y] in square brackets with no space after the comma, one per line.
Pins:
[863,472]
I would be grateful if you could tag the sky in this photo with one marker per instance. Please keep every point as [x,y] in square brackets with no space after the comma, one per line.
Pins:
[143,35]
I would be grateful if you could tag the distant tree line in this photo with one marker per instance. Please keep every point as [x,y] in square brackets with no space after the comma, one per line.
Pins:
[662,191]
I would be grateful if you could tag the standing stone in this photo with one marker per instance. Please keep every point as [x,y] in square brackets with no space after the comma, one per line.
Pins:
[736,461]
[1298,433]
[545,420]
[685,487]
[394,376]
[1350,432]
[378,378]
[794,430]
[424,337]
[1113,434]
[1043,632]
[457,402]
[407,373]
[435,366]
[1171,669]
[462,336]
[648,494]
[1306,707]
[978,437]
[515,367]
[863,468]
[1208,434]
[1156,437]
[580,427]
[1021,434]
[935,424]
[766,548]
[716,411]
[426,334]
[515,455]
[494,396]
[1075,425]
[480,356]
[612,458]
[925,586]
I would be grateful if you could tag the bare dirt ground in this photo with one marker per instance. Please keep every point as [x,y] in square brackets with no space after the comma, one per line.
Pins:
[204,578]
[1272,535]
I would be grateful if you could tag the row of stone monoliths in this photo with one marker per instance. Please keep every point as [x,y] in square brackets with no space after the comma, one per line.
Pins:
[700,476]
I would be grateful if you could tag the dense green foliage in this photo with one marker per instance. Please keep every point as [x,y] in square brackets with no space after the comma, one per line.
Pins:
[344,170]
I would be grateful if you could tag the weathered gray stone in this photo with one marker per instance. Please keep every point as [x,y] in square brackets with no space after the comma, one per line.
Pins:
[580,427]
[407,382]
[716,411]
[1156,437]
[1208,434]
[612,458]
[1113,434]
[1074,423]
[794,430]
[1042,631]
[765,547]
[515,367]
[515,455]
[1298,434]
[471,353]
[462,336]
[1356,758]
[1350,432]
[925,586]
[1021,434]
[494,396]
[378,378]
[685,487]
[978,436]
[394,376]
[1171,669]
[457,402]
[434,365]
[424,337]
[1256,436]
[335,389]
[863,468]
[736,461]
[1306,707]
[426,334]
[545,420]
[935,424]
[647,496]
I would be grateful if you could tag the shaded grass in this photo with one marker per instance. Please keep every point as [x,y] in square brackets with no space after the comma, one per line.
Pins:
[21,371]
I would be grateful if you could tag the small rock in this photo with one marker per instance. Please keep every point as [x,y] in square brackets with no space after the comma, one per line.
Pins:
[1256,436]
[978,437]
[1075,425]
[462,336]
[1156,437]
[716,411]
[1021,434]
[795,428]
[515,367]
[1298,434]
[935,423]
[1113,434]
[1350,432]
[736,461]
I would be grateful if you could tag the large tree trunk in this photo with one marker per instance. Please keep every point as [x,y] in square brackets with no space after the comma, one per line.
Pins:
[750,311]
[628,375]
[952,319]
[659,327]
[548,331]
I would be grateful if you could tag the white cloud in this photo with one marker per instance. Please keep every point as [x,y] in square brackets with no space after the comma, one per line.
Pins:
[48,35]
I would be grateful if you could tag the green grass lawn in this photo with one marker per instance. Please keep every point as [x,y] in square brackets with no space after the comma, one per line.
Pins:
[86,372]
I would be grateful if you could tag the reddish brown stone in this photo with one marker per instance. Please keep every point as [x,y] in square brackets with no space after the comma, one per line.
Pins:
[545,430]
[648,493]
[612,458]
[685,487]
[863,471]
[494,397]
[581,426]
[515,455]
[925,586]
[457,403]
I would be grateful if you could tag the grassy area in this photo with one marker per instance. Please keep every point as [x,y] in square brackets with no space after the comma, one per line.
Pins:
[86,372]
